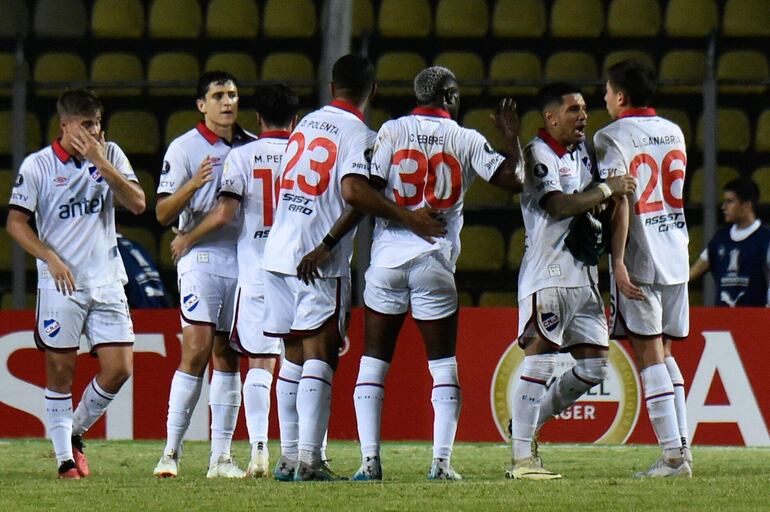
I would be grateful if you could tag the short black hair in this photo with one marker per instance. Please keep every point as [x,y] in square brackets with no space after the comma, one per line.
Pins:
[78,102]
[354,75]
[636,79]
[277,104]
[213,77]
[554,93]
[745,190]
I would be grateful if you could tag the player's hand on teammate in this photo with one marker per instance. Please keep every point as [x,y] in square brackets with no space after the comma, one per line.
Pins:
[426,223]
[61,275]
[307,270]
[621,185]
[88,146]
[623,281]
[180,245]
[506,118]
[205,173]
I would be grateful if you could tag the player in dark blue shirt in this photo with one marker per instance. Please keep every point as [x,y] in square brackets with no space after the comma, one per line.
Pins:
[145,288]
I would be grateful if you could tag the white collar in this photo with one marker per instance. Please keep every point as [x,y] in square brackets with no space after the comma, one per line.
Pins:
[739,235]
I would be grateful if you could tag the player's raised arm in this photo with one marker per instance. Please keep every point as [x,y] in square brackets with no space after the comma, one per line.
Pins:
[170,205]
[507,121]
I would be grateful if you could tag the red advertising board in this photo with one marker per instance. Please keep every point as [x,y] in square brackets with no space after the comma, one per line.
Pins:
[723,362]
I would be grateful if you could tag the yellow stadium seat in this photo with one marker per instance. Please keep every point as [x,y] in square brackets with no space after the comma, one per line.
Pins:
[761,177]
[746,18]
[577,18]
[289,18]
[762,133]
[746,66]
[172,67]
[478,119]
[67,68]
[398,66]
[465,66]
[106,23]
[175,19]
[515,249]
[240,65]
[482,249]
[15,18]
[621,55]
[30,301]
[60,19]
[405,18]
[531,122]
[289,67]
[679,117]
[696,180]
[683,65]
[144,237]
[182,121]
[519,18]
[482,195]
[465,299]
[8,71]
[134,131]
[498,300]
[515,66]
[33,135]
[117,68]
[232,19]
[462,18]
[633,18]
[598,118]
[571,66]
[691,18]
[165,261]
[376,117]
[149,186]
[363,18]
[697,243]
[733,130]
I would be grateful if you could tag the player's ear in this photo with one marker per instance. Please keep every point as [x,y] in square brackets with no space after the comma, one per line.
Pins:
[334,89]
[294,122]
[373,91]
[201,106]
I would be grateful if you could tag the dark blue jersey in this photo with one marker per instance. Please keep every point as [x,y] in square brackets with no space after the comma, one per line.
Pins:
[740,269]
[145,288]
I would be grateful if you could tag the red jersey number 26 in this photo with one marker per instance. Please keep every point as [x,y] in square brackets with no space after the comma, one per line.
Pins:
[663,173]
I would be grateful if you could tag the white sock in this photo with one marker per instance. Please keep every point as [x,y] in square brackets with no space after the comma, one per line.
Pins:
[184,394]
[659,394]
[92,405]
[225,400]
[570,386]
[526,400]
[680,402]
[447,401]
[286,398]
[58,413]
[256,402]
[314,396]
[367,398]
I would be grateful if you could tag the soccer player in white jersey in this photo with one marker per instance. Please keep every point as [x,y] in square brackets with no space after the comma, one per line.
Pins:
[560,307]
[649,251]
[189,181]
[71,188]
[326,165]
[247,191]
[424,159]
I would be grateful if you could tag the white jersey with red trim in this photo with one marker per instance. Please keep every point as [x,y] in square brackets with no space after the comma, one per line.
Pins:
[215,252]
[551,169]
[74,211]
[326,146]
[652,150]
[250,175]
[427,159]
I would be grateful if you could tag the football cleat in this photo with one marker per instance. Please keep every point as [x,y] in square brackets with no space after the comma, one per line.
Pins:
[442,470]
[370,469]
[260,462]
[225,467]
[687,454]
[530,469]
[323,473]
[81,463]
[168,466]
[68,470]
[663,468]
[284,469]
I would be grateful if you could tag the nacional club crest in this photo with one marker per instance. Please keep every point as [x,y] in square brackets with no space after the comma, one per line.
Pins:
[190,302]
[95,174]
[51,328]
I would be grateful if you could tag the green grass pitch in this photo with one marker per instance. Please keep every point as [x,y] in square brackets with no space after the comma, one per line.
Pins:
[595,478]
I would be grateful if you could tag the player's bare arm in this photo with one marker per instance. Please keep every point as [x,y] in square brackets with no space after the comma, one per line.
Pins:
[359,193]
[127,193]
[170,206]
[222,213]
[19,228]
[507,121]
[307,270]
[620,219]
[698,268]
[562,206]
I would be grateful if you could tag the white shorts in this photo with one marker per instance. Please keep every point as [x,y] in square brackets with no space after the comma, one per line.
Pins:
[101,314]
[293,308]
[665,311]
[207,299]
[246,335]
[426,284]
[565,317]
